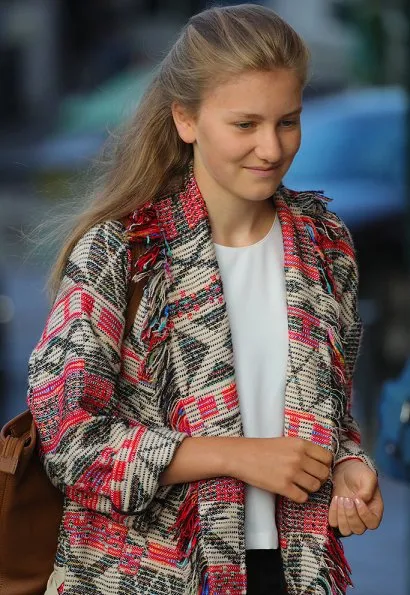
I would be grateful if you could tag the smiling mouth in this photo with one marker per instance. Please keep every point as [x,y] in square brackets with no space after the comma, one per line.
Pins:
[262,168]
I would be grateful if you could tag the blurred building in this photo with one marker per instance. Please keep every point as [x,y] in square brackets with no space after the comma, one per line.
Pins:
[29,50]
[329,39]
[51,47]
[352,41]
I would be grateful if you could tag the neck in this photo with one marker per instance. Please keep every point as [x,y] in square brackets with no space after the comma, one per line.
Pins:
[237,222]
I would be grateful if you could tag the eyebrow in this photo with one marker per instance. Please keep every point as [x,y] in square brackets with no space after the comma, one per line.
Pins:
[296,112]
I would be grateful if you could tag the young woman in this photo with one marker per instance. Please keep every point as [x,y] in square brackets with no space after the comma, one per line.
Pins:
[211,449]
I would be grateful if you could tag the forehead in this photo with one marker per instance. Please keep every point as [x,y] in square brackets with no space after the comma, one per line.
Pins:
[256,91]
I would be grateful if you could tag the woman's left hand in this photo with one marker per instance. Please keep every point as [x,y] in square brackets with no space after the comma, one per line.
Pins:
[357,503]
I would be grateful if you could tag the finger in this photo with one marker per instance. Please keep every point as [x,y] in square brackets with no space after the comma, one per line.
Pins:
[296,494]
[369,518]
[366,493]
[307,482]
[352,516]
[376,505]
[320,454]
[316,469]
[342,521]
[333,512]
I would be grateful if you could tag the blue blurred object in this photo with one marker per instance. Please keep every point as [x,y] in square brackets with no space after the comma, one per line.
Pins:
[393,440]
[353,148]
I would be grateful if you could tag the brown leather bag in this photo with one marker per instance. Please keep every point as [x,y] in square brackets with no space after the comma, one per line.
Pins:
[30,506]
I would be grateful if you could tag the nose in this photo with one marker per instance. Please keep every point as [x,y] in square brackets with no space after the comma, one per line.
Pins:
[269,146]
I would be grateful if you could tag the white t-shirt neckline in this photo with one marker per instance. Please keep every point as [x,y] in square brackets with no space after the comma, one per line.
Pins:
[255,245]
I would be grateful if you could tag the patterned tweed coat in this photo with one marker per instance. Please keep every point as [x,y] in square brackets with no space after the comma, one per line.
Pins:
[111,411]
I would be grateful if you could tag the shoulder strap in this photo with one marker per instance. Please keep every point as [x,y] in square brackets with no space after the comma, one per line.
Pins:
[135,292]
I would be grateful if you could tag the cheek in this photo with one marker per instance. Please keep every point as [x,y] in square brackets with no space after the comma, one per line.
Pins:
[211,144]
[233,151]
[219,141]
[220,148]
[292,144]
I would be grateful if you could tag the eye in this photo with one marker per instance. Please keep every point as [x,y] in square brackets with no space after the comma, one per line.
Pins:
[289,123]
[244,125]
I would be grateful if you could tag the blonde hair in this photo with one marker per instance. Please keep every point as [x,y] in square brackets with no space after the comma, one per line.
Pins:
[149,156]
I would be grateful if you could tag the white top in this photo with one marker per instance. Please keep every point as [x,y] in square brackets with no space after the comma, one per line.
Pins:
[254,289]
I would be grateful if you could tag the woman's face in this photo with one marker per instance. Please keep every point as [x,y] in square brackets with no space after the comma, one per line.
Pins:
[246,135]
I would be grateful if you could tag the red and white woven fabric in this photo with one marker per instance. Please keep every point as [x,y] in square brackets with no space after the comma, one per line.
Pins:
[111,412]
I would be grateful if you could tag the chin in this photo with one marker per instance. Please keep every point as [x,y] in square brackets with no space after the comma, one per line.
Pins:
[261,197]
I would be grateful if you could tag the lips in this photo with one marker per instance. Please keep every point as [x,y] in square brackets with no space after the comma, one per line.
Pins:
[261,168]
[268,173]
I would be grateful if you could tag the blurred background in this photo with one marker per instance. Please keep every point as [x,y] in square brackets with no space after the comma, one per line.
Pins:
[71,70]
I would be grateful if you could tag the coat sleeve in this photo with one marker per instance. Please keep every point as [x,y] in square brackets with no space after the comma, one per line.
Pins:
[346,278]
[97,458]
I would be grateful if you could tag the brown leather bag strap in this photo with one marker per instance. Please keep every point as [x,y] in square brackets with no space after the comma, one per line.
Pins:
[11,452]
[17,435]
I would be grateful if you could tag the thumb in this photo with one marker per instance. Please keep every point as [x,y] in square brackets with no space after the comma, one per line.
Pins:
[368,488]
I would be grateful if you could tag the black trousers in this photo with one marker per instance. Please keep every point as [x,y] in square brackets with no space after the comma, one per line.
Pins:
[265,572]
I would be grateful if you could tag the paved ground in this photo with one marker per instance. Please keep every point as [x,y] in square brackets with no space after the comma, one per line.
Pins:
[379,559]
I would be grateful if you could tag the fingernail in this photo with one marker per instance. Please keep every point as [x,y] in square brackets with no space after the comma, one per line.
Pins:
[358,502]
[340,501]
[348,503]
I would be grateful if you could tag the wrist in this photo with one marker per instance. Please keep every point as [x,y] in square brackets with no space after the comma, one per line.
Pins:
[348,461]
[231,456]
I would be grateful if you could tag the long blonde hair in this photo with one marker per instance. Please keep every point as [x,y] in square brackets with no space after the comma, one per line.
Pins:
[149,156]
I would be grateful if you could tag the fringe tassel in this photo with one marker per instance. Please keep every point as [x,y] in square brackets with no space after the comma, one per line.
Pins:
[143,228]
[314,201]
[327,279]
[337,347]
[338,570]
[339,361]
[204,586]
[186,527]
[338,357]
[315,205]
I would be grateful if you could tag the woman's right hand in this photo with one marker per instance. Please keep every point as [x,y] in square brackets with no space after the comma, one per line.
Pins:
[288,466]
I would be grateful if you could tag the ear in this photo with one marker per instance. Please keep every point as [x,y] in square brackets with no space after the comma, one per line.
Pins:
[184,123]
